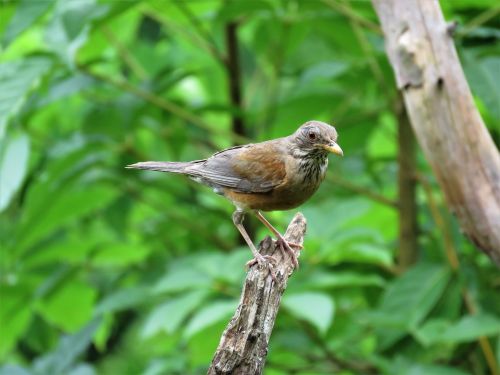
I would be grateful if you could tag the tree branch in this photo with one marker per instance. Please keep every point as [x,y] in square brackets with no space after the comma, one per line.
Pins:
[233,74]
[446,122]
[408,212]
[244,344]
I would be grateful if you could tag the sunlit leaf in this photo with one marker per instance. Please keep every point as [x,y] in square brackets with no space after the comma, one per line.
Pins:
[466,329]
[14,153]
[122,299]
[17,80]
[119,254]
[62,309]
[343,279]
[213,313]
[179,279]
[64,207]
[315,308]
[169,316]
[70,27]
[15,315]
[27,12]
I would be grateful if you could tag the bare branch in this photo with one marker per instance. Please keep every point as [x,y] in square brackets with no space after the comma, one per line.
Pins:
[244,344]
[444,117]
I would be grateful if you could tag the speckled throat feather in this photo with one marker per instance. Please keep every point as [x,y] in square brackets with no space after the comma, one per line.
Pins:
[312,164]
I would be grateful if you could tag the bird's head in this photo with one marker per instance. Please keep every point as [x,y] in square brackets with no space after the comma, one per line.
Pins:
[317,137]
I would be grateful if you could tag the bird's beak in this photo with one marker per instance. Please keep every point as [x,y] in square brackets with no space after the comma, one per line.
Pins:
[334,148]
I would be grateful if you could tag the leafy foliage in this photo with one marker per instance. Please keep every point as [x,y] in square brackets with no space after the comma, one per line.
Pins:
[109,271]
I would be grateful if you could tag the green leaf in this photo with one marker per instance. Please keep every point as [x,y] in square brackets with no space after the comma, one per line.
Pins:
[323,71]
[382,143]
[119,254]
[27,12]
[180,278]
[407,301]
[14,154]
[467,329]
[14,370]
[483,77]
[17,79]
[315,308]
[403,366]
[61,209]
[333,215]
[343,280]
[123,299]
[208,316]
[361,253]
[69,348]
[409,298]
[70,306]
[70,27]
[170,315]
[15,315]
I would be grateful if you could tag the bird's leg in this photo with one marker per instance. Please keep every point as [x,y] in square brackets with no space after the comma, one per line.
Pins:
[263,260]
[282,243]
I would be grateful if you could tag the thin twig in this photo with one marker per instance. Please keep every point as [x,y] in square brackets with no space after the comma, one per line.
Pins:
[125,54]
[369,54]
[377,197]
[438,218]
[348,12]
[209,40]
[480,20]
[162,103]
[233,78]
[357,365]
[193,38]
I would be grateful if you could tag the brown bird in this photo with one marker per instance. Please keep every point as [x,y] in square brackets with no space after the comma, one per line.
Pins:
[279,174]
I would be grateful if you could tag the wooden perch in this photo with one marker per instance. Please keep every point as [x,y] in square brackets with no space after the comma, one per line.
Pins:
[443,115]
[244,344]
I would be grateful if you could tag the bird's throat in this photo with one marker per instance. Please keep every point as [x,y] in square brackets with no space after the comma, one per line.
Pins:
[312,167]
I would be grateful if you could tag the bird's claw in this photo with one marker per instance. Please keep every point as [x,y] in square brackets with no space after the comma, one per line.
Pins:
[265,261]
[286,246]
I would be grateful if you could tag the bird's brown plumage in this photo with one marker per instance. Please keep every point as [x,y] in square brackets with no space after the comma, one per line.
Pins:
[279,174]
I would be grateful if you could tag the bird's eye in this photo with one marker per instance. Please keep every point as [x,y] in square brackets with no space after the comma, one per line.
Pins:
[312,136]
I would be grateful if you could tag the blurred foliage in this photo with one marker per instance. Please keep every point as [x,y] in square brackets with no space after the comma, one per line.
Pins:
[110,271]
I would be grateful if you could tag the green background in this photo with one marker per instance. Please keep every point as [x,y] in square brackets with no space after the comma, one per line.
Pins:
[111,271]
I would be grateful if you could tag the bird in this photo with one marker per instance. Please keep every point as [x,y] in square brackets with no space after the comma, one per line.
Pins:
[278,174]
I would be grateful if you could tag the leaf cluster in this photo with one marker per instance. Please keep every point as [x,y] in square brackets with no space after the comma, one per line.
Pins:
[108,271]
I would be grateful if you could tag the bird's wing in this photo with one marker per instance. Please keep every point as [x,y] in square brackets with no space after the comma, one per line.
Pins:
[255,168]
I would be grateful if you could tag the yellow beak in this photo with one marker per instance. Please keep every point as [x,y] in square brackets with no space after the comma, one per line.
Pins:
[334,148]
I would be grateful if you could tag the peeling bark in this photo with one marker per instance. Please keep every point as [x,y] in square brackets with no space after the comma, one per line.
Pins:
[446,122]
[244,344]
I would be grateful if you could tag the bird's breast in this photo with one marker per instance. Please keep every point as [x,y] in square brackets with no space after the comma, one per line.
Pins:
[302,181]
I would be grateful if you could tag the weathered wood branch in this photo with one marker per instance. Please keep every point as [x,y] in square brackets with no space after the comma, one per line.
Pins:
[244,344]
[446,122]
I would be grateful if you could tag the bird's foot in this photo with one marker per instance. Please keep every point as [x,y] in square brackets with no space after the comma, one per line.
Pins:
[286,246]
[265,261]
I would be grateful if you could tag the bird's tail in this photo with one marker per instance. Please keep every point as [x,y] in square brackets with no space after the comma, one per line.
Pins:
[161,166]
